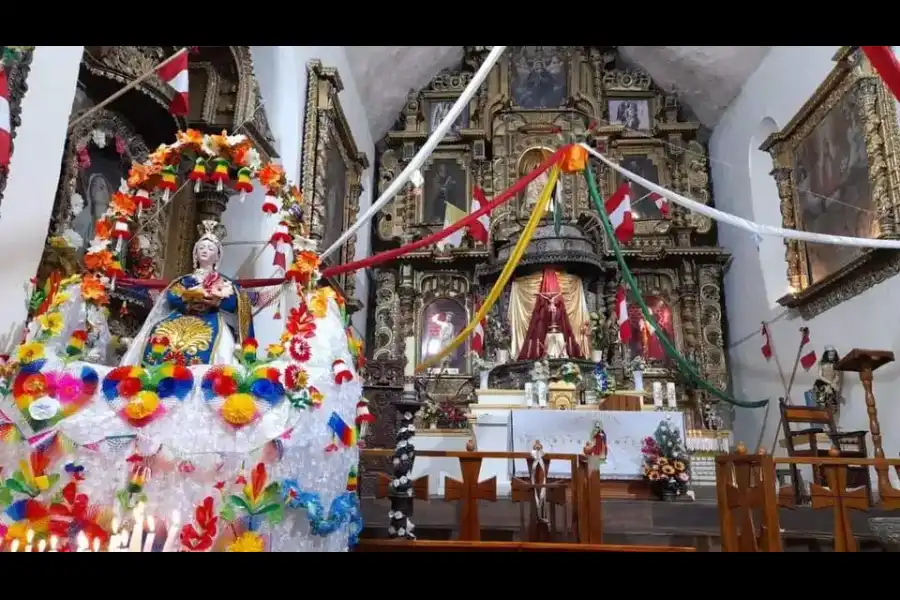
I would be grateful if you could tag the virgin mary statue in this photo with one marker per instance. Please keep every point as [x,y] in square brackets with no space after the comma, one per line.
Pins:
[200,318]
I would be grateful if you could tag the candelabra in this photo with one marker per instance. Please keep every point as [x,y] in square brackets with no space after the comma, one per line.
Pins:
[401,492]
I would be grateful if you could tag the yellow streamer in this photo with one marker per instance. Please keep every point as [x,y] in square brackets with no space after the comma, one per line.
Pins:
[539,209]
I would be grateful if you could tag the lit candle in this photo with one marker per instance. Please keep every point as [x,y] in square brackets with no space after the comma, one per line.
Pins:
[42,546]
[14,547]
[83,542]
[138,530]
[29,538]
[54,542]
[172,532]
[671,397]
[151,534]
[657,394]
[96,545]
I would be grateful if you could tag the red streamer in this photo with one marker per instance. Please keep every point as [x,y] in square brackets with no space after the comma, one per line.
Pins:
[390,255]
[886,65]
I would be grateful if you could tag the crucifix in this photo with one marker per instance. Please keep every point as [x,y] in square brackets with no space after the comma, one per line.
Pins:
[468,492]
[554,342]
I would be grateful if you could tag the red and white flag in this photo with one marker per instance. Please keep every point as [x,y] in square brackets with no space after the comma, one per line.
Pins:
[618,207]
[175,73]
[661,202]
[622,316]
[480,229]
[767,343]
[5,123]
[478,335]
[808,359]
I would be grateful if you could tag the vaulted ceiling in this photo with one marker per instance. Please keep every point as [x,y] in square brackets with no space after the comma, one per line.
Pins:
[707,78]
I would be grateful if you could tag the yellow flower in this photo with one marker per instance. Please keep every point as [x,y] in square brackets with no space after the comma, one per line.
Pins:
[143,405]
[662,461]
[69,281]
[318,304]
[51,322]
[59,299]
[275,350]
[679,466]
[239,409]
[248,542]
[653,476]
[668,469]
[30,352]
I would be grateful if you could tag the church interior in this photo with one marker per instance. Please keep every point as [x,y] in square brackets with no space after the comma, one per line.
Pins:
[449,298]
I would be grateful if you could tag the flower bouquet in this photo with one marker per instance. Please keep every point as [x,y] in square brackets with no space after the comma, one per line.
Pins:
[430,414]
[666,464]
[570,373]
[450,416]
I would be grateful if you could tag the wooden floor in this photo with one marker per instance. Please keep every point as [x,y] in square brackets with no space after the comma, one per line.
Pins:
[679,523]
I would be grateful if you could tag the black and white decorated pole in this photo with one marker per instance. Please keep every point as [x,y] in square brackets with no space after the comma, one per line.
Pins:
[402,492]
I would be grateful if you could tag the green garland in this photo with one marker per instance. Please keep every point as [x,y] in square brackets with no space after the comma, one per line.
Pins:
[684,365]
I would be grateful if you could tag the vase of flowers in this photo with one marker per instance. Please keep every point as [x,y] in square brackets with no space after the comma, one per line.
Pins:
[666,463]
[430,414]
[570,373]
[451,416]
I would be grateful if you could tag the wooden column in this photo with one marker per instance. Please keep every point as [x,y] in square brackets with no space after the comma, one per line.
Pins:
[865,362]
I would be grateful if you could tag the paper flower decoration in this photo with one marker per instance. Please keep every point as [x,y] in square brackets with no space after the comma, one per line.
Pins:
[241,399]
[46,396]
[141,396]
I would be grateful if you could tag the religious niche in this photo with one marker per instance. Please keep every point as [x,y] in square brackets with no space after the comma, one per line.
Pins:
[103,142]
[831,166]
[17,85]
[558,310]
[440,315]
[332,169]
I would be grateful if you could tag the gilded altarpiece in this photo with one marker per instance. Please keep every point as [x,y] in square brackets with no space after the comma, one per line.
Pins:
[103,142]
[536,98]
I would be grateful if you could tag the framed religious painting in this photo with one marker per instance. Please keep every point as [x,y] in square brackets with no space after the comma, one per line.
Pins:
[447,188]
[440,321]
[659,294]
[437,107]
[539,77]
[634,113]
[831,167]
[333,168]
[651,163]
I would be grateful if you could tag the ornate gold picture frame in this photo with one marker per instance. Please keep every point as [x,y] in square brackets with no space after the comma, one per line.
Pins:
[832,166]
[448,178]
[332,167]
[650,162]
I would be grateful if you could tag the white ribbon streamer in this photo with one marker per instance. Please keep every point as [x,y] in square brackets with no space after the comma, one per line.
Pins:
[426,150]
[752,227]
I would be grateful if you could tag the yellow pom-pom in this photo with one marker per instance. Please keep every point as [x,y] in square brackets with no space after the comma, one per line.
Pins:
[248,542]
[239,409]
[143,405]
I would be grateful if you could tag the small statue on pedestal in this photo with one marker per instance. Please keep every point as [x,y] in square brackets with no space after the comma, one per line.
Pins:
[554,341]
[540,375]
[827,387]
[597,446]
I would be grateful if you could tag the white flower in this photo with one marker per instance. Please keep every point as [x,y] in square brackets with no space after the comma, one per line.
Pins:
[98,244]
[234,140]
[208,147]
[253,159]
[143,242]
[123,186]
[76,204]
[72,238]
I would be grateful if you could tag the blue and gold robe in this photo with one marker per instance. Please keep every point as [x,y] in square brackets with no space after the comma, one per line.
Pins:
[192,331]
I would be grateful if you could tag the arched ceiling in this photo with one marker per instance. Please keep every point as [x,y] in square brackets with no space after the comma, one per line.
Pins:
[707,78]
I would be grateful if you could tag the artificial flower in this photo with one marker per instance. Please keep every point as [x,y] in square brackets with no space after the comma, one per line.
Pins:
[98,261]
[30,352]
[301,322]
[248,542]
[239,409]
[274,351]
[296,377]
[318,303]
[299,349]
[138,175]
[306,261]
[103,229]
[76,204]
[123,204]
[144,404]
[51,323]
[59,298]
[270,175]
[191,137]
[92,288]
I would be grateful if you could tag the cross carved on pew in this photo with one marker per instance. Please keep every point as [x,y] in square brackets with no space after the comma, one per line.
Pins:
[841,500]
[468,492]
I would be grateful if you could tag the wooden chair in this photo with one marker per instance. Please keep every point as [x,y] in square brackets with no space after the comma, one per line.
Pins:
[851,444]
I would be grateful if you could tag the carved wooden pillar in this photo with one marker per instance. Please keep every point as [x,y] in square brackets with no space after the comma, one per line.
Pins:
[879,172]
[383,384]
[211,204]
[782,177]
[388,341]
[712,339]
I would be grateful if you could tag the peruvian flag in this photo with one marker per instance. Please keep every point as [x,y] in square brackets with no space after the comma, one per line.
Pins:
[622,316]
[478,335]
[618,207]
[175,73]
[661,203]
[767,343]
[480,229]
[808,359]
[5,123]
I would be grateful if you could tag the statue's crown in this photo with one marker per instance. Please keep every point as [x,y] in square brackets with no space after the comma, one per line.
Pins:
[211,230]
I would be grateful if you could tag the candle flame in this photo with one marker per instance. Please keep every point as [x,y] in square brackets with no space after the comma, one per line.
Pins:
[29,537]
[42,546]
